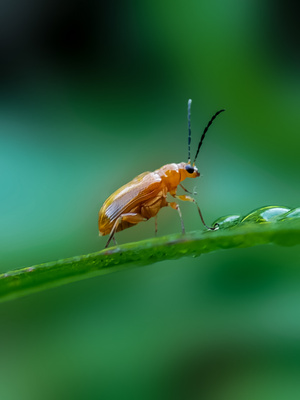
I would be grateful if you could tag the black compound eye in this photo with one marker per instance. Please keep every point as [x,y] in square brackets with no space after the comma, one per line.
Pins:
[189,169]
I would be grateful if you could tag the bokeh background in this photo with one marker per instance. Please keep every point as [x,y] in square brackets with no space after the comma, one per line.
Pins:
[94,93]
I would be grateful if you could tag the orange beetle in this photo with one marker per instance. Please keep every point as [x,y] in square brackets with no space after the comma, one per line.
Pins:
[143,197]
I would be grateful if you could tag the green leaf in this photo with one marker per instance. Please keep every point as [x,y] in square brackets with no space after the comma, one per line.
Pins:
[277,225]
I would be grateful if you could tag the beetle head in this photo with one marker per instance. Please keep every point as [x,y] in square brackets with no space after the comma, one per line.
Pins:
[188,171]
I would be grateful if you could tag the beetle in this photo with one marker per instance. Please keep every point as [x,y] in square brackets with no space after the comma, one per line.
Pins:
[143,197]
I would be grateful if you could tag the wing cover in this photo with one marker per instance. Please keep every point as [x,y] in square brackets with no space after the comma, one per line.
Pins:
[141,188]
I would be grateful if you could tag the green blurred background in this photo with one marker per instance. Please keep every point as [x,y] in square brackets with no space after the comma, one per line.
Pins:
[93,94]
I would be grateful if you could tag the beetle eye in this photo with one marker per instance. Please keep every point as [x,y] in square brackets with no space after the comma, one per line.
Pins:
[189,169]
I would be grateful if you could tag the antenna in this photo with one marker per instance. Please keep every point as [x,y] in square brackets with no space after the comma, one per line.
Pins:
[190,131]
[204,132]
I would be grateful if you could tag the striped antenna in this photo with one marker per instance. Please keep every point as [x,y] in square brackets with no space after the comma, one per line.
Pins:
[204,132]
[190,131]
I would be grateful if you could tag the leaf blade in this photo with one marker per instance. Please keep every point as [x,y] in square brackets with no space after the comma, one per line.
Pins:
[17,283]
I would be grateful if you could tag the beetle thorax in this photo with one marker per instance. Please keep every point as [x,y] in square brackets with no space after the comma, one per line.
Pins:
[170,175]
[173,174]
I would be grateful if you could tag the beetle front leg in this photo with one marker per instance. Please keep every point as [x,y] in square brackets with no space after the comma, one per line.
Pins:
[185,189]
[175,206]
[188,198]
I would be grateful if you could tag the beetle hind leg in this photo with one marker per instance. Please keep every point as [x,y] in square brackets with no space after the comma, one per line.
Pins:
[133,218]
[155,225]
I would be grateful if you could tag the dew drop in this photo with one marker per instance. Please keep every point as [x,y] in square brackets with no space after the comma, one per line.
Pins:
[183,251]
[265,214]
[227,221]
[295,213]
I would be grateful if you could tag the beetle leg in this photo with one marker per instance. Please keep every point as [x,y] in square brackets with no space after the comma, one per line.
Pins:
[175,206]
[156,225]
[193,192]
[185,189]
[133,218]
[188,198]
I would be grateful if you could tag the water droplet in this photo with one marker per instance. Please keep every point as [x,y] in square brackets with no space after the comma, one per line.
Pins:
[265,214]
[228,221]
[183,251]
[295,213]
